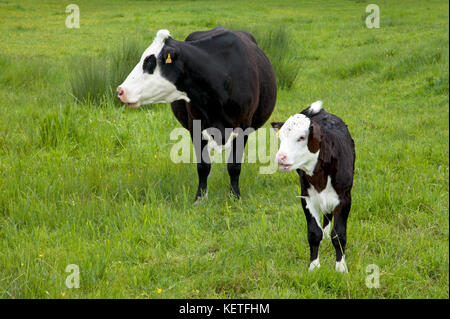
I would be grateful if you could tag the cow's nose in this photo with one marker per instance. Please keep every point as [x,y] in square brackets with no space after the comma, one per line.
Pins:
[281,158]
[120,92]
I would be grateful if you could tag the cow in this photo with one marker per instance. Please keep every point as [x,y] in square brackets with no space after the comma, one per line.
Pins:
[319,147]
[219,77]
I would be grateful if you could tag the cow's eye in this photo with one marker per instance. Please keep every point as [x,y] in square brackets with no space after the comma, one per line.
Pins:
[301,138]
[149,64]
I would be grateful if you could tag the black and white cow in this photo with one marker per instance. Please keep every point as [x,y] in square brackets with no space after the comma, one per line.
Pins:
[319,147]
[220,77]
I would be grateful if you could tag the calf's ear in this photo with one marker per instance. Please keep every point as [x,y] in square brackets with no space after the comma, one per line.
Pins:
[277,125]
[314,137]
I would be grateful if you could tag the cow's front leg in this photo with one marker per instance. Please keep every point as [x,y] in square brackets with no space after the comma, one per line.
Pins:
[234,163]
[203,169]
[315,232]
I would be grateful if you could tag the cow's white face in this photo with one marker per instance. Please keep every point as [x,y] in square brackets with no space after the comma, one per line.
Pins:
[294,152]
[145,84]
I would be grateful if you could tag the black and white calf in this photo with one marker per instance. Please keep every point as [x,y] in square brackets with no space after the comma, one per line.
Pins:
[318,145]
[220,77]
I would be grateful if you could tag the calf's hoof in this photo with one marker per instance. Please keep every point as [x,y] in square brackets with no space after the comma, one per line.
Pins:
[315,264]
[341,266]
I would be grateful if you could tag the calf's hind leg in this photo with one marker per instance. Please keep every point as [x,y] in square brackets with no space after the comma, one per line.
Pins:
[327,224]
[339,234]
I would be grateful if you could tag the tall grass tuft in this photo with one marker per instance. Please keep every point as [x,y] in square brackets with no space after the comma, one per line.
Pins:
[90,80]
[275,42]
[277,45]
[95,79]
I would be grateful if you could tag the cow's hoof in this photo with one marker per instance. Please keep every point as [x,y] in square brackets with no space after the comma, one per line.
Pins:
[234,197]
[235,193]
[314,264]
[341,266]
[201,199]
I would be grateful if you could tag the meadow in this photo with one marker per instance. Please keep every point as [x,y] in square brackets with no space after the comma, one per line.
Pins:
[87,181]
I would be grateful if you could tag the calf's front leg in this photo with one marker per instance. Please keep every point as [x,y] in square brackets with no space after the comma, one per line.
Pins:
[315,232]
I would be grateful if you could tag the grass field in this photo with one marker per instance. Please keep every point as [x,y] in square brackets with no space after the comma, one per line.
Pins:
[92,183]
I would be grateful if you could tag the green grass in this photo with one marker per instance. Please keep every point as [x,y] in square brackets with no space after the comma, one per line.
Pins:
[95,186]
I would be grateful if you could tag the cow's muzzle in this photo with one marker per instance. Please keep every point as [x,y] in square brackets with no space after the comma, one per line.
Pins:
[121,94]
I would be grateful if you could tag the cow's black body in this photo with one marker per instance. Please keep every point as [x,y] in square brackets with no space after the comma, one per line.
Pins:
[230,83]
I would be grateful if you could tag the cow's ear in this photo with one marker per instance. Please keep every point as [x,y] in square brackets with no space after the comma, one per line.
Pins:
[277,125]
[314,137]
[170,54]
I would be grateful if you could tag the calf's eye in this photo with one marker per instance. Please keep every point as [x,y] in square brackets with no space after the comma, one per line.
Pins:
[301,138]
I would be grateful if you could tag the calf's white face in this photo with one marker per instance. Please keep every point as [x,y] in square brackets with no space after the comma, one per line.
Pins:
[144,87]
[294,152]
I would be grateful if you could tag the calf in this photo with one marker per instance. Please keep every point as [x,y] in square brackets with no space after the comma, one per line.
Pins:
[319,147]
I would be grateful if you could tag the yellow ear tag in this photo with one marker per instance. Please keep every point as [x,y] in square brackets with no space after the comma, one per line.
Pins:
[168,60]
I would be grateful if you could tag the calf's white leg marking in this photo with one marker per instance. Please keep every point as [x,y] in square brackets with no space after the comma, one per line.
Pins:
[315,264]
[326,230]
[325,202]
[341,266]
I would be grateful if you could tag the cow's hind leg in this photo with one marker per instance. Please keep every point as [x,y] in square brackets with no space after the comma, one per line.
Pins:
[234,163]
[339,234]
